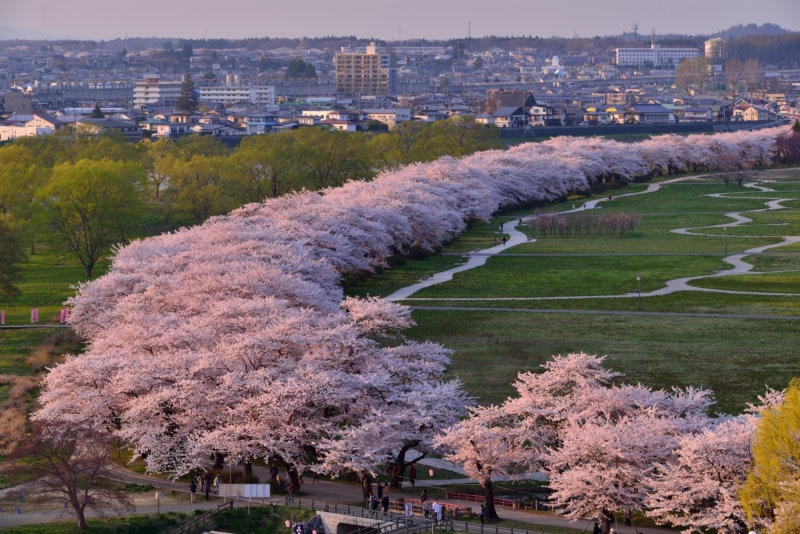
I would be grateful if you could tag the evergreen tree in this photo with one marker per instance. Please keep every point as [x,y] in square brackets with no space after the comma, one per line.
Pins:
[96,113]
[188,100]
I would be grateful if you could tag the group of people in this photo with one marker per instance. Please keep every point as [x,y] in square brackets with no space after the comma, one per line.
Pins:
[382,499]
[429,507]
[204,484]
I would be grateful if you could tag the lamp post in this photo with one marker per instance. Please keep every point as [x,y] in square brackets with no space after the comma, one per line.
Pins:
[726,239]
[639,291]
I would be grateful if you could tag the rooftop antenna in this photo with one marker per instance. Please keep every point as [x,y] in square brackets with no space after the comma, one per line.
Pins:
[635,29]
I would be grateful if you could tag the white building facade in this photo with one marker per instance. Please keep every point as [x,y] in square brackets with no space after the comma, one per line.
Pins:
[655,56]
[258,96]
[153,90]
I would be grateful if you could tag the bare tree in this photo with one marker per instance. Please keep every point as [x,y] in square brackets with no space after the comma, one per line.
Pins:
[70,464]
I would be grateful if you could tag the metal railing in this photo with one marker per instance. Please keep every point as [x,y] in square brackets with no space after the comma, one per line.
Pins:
[196,522]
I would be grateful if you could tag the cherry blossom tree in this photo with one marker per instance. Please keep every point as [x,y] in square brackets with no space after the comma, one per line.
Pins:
[480,444]
[248,353]
[595,439]
[698,487]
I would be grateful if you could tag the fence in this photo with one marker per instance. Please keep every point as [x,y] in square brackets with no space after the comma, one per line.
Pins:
[195,522]
[454,516]
[517,504]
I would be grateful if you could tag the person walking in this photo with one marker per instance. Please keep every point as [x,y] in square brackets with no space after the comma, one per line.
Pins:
[373,504]
[385,504]
[412,475]
[483,513]
[426,508]
[193,490]
[437,510]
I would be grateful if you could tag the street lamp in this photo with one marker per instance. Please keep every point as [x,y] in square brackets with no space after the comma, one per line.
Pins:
[639,290]
[726,239]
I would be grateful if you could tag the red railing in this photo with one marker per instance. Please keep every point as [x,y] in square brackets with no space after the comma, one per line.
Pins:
[453,496]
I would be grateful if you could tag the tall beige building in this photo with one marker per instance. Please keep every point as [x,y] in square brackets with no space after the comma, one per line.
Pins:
[715,50]
[363,73]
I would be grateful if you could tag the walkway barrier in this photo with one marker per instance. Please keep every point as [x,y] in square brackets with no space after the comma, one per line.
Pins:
[454,518]
[515,504]
[195,522]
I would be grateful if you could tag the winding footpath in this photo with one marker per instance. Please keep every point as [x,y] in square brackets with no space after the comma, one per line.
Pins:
[515,237]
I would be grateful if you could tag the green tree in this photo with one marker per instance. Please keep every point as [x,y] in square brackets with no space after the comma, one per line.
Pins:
[460,135]
[772,491]
[194,188]
[20,176]
[11,255]
[161,154]
[297,68]
[263,166]
[187,101]
[96,112]
[330,158]
[91,205]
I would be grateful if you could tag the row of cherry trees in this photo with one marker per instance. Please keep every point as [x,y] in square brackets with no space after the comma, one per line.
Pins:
[606,446]
[232,338]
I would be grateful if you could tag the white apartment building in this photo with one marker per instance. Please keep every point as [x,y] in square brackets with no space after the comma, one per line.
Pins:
[655,55]
[153,89]
[259,96]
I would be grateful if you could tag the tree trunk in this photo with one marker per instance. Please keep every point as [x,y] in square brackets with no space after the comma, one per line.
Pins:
[606,521]
[248,469]
[294,476]
[489,509]
[366,485]
[80,516]
[219,461]
[400,466]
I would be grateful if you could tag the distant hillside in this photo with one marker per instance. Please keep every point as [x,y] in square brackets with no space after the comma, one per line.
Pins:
[735,32]
[768,43]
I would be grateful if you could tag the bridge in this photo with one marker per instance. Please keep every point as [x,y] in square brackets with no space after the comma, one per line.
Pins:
[343,523]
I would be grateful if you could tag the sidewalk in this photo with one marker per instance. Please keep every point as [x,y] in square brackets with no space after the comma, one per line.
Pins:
[324,491]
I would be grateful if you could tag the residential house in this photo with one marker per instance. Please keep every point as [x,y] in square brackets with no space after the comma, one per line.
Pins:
[216,130]
[648,114]
[510,117]
[390,117]
[751,113]
[127,128]
[37,123]
[697,114]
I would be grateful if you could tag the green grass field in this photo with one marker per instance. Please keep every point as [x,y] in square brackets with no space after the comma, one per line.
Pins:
[506,317]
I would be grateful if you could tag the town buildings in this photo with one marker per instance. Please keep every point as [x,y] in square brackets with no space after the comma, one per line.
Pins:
[243,91]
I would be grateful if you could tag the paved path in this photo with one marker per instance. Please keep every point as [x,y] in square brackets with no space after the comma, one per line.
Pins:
[324,491]
[516,237]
